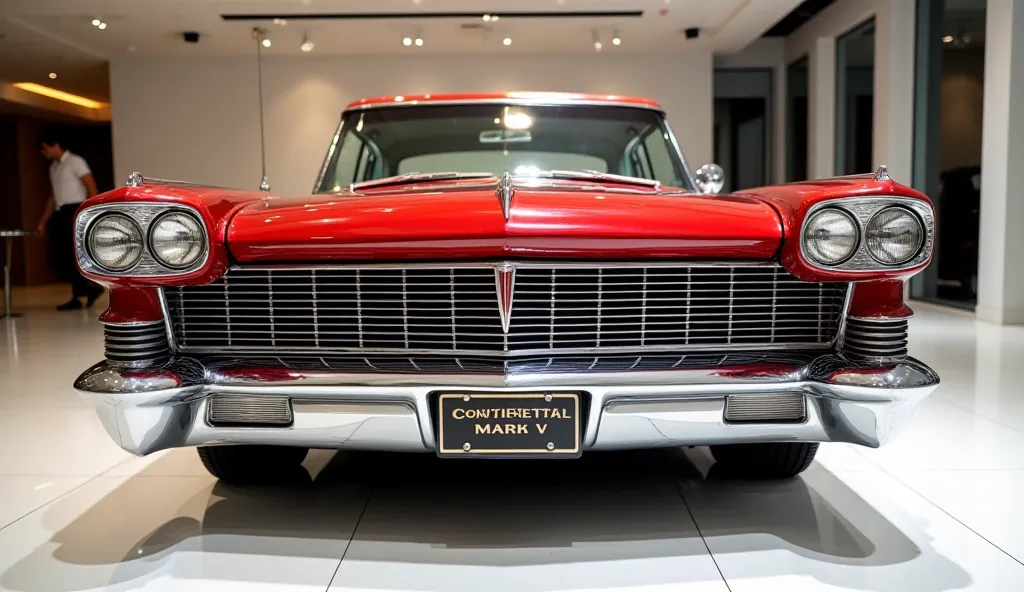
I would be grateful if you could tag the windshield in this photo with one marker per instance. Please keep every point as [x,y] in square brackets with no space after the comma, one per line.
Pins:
[495,138]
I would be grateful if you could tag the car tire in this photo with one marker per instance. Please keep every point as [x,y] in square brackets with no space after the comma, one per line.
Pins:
[774,460]
[251,465]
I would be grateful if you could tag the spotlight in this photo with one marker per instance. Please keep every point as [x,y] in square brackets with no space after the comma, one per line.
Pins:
[280,21]
[265,41]
[419,42]
[53,75]
[487,18]
[597,41]
[96,22]
[616,40]
[692,32]
[190,37]
[307,45]
[407,41]
[102,26]
[507,41]
[947,39]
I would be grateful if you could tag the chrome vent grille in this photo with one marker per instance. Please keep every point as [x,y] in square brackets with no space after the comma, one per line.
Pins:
[560,308]
[765,408]
[136,345]
[876,339]
[244,410]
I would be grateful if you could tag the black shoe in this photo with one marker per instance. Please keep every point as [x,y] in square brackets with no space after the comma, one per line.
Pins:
[92,297]
[73,304]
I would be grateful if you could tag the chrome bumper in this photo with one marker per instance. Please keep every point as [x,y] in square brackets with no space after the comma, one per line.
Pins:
[149,410]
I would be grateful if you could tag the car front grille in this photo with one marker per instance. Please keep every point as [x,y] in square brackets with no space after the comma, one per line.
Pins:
[555,308]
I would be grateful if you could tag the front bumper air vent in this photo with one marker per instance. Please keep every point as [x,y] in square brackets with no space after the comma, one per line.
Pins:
[782,408]
[249,411]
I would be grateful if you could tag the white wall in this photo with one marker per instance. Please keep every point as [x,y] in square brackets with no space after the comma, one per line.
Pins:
[197,119]
[894,81]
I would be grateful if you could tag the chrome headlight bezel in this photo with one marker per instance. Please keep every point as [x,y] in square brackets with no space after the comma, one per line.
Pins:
[863,209]
[144,214]
[140,242]
[909,213]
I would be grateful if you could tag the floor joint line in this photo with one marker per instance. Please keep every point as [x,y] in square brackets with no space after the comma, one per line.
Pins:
[679,490]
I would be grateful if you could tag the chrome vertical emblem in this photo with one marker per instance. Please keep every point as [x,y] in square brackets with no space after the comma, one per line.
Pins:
[505,282]
[505,192]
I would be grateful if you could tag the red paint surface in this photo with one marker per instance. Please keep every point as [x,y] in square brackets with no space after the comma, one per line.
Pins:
[132,305]
[567,220]
[882,298]
[539,97]
[793,200]
[215,206]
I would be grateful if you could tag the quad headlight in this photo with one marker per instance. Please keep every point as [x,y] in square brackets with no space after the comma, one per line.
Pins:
[868,234]
[177,240]
[831,236]
[115,242]
[894,236]
[143,239]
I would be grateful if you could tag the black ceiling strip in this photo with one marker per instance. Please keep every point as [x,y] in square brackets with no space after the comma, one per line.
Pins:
[798,17]
[363,16]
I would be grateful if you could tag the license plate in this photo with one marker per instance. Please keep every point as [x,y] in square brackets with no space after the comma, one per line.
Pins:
[509,424]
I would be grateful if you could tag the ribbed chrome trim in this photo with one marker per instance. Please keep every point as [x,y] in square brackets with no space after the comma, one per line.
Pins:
[243,410]
[876,340]
[136,345]
[766,408]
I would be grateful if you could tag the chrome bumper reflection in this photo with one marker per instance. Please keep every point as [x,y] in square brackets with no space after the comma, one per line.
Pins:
[147,411]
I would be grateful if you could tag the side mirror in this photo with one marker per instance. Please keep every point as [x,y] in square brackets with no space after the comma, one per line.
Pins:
[710,178]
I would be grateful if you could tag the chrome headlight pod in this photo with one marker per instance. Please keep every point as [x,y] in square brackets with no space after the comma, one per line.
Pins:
[172,238]
[177,239]
[114,241]
[831,236]
[895,233]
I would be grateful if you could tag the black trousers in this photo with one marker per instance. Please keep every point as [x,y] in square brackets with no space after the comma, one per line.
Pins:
[61,231]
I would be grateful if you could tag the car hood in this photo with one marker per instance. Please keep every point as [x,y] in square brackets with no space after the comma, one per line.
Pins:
[466,220]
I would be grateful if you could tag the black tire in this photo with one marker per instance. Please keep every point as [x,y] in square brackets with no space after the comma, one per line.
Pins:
[774,460]
[250,465]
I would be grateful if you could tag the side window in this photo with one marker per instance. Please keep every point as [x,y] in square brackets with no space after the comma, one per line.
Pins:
[659,160]
[348,162]
[367,164]
[639,162]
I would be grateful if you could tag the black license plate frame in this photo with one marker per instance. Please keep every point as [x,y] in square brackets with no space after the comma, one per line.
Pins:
[566,437]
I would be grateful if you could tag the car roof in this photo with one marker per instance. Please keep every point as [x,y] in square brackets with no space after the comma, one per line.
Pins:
[524,98]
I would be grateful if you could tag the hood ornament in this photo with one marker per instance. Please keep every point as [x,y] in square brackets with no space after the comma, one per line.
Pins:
[882,174]
[505,282]
[505,193]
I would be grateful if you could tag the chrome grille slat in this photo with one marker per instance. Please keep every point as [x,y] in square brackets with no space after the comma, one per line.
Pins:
[559,308]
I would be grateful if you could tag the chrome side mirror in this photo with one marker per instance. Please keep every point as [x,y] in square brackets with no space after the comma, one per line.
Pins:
[710,178]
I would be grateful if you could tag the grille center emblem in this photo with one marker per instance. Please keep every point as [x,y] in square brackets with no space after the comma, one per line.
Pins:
[505,282]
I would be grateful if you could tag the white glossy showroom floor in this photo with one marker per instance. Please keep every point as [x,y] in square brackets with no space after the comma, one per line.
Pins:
[938,510]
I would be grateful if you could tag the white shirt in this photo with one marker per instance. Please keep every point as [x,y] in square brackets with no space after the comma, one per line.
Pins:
[66,179]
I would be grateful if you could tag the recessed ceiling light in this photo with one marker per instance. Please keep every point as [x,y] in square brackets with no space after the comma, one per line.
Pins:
[487,17]
[307,43]
[96,22]
[280,21]
[102,26]
[266,42]
[947,39]
[53,76]
[419,42]
[507,41]
[407,41]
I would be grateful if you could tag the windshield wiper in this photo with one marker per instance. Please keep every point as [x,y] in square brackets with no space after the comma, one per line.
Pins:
[594,176]
[409,178]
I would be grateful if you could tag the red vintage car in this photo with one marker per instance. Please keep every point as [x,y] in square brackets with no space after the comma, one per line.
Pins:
[574,287]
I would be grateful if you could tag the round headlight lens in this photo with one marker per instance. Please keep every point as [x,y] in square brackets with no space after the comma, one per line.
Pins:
[830,236]
[115,242]
[177,240]
[894,236]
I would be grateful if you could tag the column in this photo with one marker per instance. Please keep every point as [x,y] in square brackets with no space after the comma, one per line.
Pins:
[1001,248]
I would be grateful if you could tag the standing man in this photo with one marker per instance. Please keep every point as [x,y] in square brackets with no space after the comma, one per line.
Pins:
[72,183]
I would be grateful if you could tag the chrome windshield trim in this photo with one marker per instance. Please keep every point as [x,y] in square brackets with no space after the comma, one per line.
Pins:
[519,102]
[410,178]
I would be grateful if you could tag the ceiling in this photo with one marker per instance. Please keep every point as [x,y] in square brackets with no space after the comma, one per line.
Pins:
[42,36]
